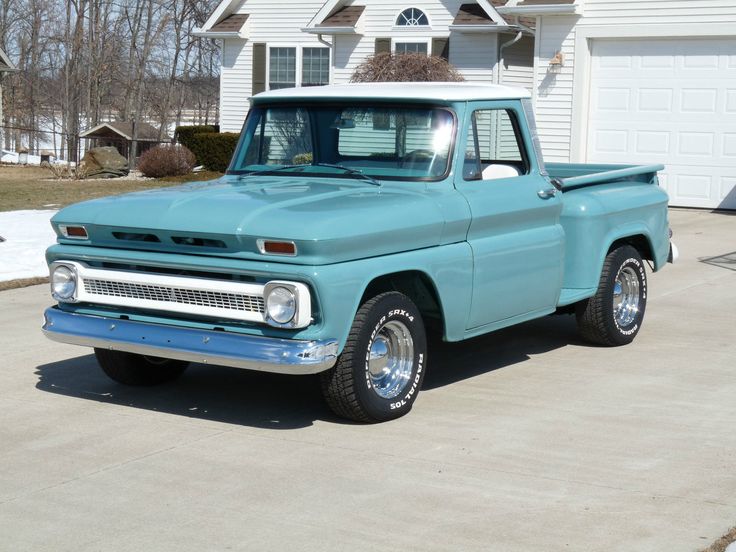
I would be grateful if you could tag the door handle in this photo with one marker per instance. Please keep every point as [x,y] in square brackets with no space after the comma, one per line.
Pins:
[547,193]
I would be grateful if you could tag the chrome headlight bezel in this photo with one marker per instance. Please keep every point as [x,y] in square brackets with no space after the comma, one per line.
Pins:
[302,315]
[69,278]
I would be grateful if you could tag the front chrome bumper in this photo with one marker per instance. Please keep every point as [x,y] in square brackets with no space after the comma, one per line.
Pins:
[267,354]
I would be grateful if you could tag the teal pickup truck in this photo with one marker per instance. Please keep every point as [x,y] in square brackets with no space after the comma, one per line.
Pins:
[352,220]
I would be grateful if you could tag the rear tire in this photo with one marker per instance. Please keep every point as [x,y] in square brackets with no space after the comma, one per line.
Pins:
[380,371]
[614,315]
[138,370]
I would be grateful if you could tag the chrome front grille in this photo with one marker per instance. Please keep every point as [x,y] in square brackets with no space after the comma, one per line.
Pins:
[171,294]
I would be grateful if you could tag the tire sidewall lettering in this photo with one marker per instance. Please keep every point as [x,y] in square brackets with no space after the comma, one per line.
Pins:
[405,400]
[641,273]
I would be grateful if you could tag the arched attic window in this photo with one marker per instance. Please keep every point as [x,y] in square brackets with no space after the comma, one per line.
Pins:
[412,17]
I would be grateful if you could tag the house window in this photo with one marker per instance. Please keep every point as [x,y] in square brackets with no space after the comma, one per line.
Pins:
[411,17]
[282,68]
[315,66]
[410,47]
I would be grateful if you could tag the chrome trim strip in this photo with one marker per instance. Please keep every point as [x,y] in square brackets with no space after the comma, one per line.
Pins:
[267,354]
[249,293]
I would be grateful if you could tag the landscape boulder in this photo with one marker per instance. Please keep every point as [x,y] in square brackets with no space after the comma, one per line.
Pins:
[105,162]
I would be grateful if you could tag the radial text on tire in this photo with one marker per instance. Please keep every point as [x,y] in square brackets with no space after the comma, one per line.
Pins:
[380,371]
[614,315]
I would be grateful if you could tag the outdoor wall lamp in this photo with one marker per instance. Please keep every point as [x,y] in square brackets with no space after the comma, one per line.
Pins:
[557,62]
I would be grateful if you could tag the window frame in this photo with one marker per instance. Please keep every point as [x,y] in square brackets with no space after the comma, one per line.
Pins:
[299,62]
[526,167]
[404,40]
[329,65]
[397,25]
[240,151]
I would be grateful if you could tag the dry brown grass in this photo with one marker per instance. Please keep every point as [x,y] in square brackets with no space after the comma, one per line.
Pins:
[23,282]
[721,544]
[34,187]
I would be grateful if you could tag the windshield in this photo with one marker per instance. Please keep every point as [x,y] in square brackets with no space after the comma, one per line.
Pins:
[394,143]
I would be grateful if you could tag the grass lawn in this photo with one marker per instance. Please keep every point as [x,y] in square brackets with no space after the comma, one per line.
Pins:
[34,187]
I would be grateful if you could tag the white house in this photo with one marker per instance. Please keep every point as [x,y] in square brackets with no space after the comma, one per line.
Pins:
[624,81]
[269,44]
[642,81]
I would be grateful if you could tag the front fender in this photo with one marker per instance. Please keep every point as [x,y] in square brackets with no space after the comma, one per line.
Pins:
[450,268]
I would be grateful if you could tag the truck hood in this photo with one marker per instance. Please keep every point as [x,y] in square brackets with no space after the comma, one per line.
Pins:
[330,219]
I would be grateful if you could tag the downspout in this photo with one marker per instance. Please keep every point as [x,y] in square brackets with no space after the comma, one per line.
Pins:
[501,48]
[331,45]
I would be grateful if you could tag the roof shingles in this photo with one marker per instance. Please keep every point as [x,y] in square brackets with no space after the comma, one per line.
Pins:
[344,17]
[472,14]
[231,24]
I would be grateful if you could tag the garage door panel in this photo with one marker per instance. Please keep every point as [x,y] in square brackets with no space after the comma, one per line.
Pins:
[669,101]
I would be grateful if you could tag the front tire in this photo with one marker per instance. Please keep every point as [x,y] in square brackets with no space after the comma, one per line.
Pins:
[380,371]
[614,315]
[138,370]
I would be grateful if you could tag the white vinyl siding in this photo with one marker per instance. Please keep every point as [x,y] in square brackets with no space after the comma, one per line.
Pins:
[273,23]
[517,67]
[474,55]
[554,92]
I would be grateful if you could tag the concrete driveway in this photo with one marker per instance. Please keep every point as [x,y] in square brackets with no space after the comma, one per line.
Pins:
[527,439]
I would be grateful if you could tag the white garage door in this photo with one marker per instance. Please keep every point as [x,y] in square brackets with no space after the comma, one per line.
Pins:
[670,101]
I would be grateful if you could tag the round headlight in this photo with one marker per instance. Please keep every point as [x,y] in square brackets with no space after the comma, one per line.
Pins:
[63,282]
[281,305]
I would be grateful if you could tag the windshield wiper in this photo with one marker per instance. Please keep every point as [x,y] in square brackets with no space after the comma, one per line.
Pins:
[348,170]
[351,171]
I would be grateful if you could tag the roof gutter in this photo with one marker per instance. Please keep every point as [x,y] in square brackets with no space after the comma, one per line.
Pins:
[330,30]
[551,9]
[483,28]
[214,34]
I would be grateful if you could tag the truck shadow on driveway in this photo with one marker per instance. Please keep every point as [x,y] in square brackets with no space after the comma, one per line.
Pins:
[256,399]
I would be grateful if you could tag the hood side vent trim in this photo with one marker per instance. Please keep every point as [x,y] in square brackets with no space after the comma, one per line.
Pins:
[198,242]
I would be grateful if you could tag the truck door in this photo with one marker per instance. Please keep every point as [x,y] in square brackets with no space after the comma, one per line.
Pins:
[515,233]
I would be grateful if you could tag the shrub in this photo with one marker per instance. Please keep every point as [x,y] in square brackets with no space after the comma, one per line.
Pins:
[214,149]
[166,160]
[409,67]
[183,134]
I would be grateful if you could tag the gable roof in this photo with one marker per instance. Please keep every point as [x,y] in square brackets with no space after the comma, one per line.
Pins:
[225,21]
[5,64]
[231,24]
[346,16]
[472,14]
[332,6]
[124,129]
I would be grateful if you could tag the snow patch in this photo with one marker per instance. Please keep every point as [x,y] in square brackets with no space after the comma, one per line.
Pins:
[27,235]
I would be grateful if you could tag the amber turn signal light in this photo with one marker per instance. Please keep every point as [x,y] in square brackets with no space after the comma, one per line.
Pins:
[73,232]
[271,247]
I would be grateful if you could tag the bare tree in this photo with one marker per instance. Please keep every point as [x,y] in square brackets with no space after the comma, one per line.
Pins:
[85,61]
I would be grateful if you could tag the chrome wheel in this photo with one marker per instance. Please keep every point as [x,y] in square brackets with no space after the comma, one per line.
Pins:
[626,296]
[391,359]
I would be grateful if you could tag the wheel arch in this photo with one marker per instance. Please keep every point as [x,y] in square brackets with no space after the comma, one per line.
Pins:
[641,242]
[418,286]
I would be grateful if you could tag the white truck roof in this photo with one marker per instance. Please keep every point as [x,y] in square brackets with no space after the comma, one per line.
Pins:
[431,91]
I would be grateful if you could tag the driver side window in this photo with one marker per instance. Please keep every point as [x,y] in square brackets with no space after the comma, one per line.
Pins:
[493,148]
